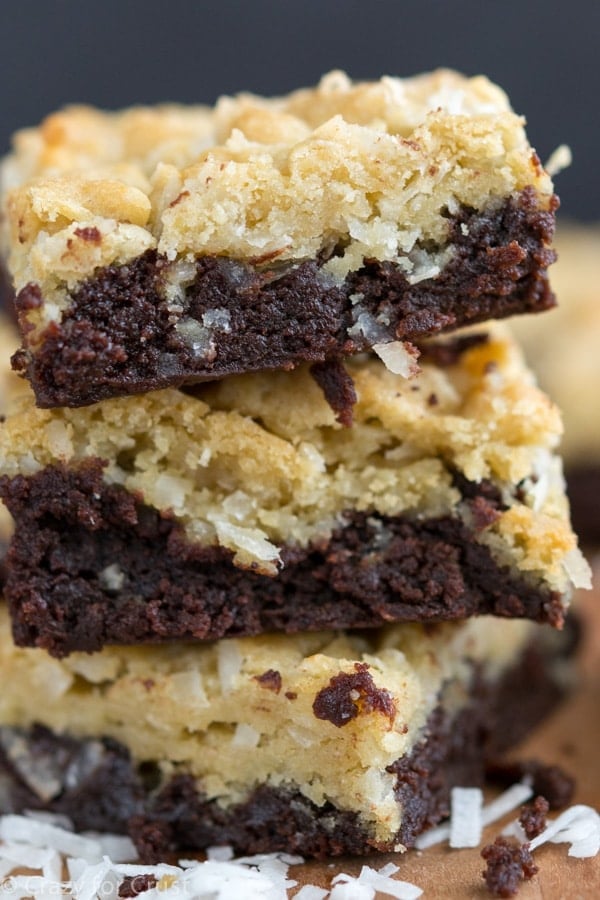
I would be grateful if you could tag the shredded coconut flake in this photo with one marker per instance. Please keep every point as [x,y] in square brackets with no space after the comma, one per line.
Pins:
[433,836]
[23,830]
[36,842]
[112,577]
[398,358]
[245,736]
[369,883]
[170,491]
[198,337]
[512,798]
[98,878]
[578,826]
[578,569]
[465,817]
[403,890]
[229,664]
[497,809]
[311,892]
[347,888]
[560,159]
[250,540]
[368,326]
[220,854]
[219,319]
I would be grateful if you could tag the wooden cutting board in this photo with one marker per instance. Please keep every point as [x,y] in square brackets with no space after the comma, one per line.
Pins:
[571,739]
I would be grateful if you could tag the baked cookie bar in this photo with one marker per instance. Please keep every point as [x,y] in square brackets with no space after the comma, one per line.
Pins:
[322,744]
[563,348]
[153,247]
[245,507]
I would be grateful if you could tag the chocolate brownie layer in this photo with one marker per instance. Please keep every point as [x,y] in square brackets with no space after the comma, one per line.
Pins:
[247,494]
[118,335]
[99,786]
[90,565]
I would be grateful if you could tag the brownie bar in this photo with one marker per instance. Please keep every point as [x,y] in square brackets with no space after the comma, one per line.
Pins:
[247,507]
[89,566]
[97,783]
[157,247]
[118,336]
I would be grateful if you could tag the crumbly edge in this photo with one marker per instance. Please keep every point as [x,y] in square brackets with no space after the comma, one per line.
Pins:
[260,460]
[372,169]
[205,711]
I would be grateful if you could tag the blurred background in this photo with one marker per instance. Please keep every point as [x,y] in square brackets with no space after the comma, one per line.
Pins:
[119,52]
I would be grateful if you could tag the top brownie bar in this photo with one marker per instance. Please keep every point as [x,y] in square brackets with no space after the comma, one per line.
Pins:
[161,246]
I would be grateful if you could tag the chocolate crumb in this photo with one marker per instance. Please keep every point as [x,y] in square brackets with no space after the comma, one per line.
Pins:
[483,512]
[90,234]
[533,817]
[552,782]
[152,838]
[349,694]
[178,198]
[432,400]
[271,680]
[133,885]
[30,297]
[508,863]
[338,388]
[291,695]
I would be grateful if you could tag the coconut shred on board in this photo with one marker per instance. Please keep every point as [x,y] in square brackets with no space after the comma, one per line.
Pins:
[96,864]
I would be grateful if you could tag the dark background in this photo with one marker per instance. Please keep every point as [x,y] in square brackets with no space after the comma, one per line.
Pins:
[112,54]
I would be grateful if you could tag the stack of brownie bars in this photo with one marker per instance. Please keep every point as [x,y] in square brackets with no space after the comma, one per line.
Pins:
[284,543]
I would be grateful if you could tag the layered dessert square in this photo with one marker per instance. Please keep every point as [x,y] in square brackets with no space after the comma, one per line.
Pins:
[245,507]
[322,743]
[161,246]
[563,350]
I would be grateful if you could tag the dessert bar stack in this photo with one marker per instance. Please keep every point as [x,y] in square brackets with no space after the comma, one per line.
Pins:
[290,530]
